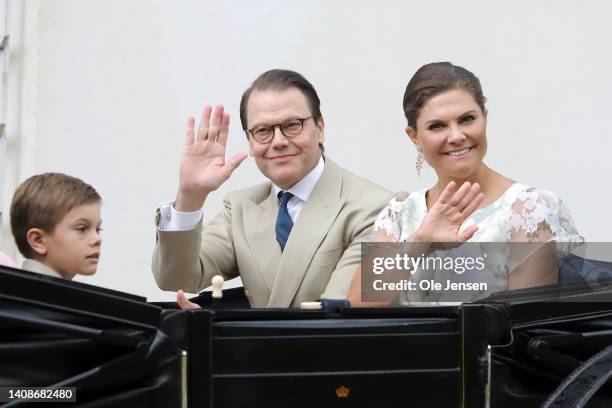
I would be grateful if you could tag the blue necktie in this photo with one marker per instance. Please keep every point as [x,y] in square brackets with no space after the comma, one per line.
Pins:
[283,220]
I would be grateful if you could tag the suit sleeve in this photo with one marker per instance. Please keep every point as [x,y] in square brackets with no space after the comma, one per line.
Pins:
[189,259]
[341,277]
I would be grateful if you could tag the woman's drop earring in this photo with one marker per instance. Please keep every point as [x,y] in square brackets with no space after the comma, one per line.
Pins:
[419,161]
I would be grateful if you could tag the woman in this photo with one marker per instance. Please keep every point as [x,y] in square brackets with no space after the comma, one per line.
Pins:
[447,122]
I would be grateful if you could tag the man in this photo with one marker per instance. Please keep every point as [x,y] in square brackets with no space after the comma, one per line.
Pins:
[295,238]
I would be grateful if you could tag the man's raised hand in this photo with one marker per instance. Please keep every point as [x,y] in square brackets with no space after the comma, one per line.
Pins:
[203,167]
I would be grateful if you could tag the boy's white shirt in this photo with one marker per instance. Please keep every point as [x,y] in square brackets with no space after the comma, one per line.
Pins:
[34,266]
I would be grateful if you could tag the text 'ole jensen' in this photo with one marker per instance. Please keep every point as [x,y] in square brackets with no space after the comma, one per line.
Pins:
[454,286]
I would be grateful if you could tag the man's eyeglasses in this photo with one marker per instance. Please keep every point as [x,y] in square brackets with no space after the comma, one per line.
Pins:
[289,128]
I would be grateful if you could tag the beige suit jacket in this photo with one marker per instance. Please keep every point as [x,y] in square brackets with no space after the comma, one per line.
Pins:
[321,255]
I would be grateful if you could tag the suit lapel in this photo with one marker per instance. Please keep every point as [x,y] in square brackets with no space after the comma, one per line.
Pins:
[315,219]
[261,239]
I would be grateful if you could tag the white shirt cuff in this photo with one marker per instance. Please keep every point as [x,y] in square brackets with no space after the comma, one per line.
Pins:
[173,220]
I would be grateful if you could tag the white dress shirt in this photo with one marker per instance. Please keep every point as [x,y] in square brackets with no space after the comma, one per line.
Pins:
[172,220]
[31,265]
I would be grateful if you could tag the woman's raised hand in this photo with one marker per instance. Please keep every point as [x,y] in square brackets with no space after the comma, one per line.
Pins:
[444,219]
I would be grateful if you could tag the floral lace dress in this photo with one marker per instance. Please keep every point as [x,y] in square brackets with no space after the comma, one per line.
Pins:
[522,214]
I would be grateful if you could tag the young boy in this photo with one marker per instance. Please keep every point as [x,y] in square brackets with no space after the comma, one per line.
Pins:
[55,220]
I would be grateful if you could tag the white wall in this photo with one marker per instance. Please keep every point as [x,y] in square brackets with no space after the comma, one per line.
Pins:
[101,90]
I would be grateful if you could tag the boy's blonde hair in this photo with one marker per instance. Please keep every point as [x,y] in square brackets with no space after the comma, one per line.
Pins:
[42,201]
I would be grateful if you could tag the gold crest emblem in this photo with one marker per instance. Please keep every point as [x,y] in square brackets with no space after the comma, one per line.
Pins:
[342,392]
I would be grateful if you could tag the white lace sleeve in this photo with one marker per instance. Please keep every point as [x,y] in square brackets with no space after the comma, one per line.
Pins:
[387,226]
[538,217]
[541,216]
